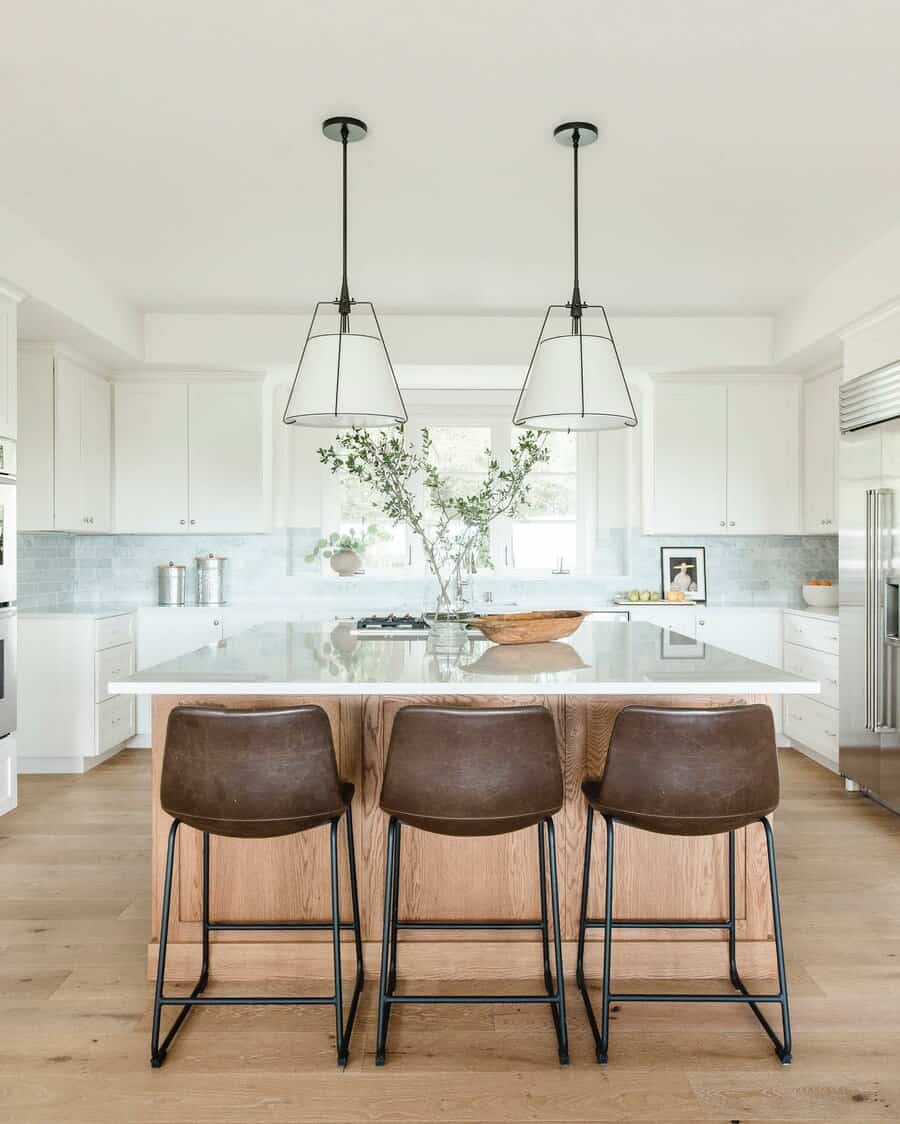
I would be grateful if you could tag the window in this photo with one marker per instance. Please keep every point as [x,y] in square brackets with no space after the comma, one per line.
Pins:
[545,534]
[556,524]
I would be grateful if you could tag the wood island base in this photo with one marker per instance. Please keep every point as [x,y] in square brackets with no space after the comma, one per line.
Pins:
[452,879]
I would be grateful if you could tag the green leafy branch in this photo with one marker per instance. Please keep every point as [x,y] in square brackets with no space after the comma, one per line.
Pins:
[456,529]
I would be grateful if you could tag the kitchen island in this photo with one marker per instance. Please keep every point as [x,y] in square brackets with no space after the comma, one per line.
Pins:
[361,683]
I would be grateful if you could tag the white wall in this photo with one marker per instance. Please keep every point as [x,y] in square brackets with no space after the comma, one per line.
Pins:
[46,272]
[873,344]
[269,342]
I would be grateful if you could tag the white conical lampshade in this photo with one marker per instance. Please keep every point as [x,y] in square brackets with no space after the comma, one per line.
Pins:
[575,382]
[345,380]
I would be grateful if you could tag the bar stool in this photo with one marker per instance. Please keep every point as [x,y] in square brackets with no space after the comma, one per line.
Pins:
[478,772]
[685,772]
[254,775]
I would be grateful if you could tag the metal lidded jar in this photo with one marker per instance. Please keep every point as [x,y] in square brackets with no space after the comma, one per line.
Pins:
[171,584]
[210,580]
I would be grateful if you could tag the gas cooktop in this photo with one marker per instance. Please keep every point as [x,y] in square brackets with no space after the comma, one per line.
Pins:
[392,625]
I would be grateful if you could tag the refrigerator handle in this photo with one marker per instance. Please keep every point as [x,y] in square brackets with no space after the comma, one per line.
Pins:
[870,609]
[880,703]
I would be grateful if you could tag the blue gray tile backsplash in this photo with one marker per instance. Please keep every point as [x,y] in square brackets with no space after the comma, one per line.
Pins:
[60,569]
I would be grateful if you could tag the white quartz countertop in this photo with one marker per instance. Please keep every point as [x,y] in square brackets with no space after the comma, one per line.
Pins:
[322,658]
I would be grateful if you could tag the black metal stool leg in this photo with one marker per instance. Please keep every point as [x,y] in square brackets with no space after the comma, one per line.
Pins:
[783,1049]
[159,1050]
[204,967]
[386,937]
[357,932]
[603,1044]
[559,1007]
[395,913]
[582,921]
[336,949]
[732,917]
[545,923]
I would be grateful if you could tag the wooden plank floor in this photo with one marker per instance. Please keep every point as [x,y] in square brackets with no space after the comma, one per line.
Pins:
[75,1007]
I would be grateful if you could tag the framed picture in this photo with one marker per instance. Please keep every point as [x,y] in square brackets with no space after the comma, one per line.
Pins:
[683,568]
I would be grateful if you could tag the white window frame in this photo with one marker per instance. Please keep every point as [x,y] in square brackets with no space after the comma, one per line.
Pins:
[428,410]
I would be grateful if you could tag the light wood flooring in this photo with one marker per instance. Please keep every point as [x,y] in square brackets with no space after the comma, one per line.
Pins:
[75,1006]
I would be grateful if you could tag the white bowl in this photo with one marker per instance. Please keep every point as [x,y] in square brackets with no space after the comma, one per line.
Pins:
[821,596]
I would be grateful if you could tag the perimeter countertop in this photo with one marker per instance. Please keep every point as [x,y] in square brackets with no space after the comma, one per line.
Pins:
[322,658]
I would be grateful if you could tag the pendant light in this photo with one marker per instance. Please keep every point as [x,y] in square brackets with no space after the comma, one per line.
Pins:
[344,377]
[575,379]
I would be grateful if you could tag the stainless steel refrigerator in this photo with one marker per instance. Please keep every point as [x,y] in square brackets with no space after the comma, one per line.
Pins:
[869,573]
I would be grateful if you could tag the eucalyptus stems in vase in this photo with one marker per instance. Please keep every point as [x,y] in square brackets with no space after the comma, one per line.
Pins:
[453,529]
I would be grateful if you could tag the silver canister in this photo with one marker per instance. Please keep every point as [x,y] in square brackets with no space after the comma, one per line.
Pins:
[210,580]
[171,584]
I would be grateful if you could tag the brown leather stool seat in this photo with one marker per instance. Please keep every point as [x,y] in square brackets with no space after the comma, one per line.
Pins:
[472,772]
[254,774]
[688,772]
[244,773]
[685,772]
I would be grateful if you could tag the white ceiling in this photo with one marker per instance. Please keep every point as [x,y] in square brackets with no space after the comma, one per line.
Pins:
[174,146]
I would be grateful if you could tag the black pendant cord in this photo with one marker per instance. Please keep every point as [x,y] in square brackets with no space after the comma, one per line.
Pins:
[576,303]
[344,301]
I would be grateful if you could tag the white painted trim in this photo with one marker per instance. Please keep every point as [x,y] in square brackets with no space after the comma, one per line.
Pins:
[884,312]
[12,292]
[74,764]
[171,374]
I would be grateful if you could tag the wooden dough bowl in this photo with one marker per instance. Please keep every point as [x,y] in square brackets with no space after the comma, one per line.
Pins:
[529,628]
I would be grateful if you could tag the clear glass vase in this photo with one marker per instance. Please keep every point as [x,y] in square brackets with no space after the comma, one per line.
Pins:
[448,605]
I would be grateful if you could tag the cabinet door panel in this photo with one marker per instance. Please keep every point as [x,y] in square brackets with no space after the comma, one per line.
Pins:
[226,457]
[151,461]
[764,459]
[96,439]
[69,513]
[689,456]
[820,435]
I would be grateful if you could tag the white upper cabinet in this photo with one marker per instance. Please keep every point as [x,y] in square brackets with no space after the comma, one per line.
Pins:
[688,455]
[764,458]
[8,380]
[226,457]
[64,444]
[723,457]
[189,456]
[151,457]
[820,439]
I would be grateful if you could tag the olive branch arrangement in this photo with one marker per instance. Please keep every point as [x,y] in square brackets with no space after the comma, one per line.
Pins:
[456,530]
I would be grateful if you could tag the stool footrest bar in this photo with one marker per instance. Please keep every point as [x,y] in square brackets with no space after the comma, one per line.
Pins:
[248,1001]
[485,926]
[471,999]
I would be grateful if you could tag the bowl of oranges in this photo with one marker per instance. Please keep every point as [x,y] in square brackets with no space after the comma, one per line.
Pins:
[820,594]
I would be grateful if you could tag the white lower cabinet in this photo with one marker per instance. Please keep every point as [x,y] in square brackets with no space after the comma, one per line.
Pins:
[165,632]
[811,721]
[68,721]
[677,618]
[752,632]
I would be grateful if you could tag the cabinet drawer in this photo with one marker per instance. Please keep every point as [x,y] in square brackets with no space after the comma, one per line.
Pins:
[815,665]
[111,631]
[110,664]
[809,632]
[813,724]
[114,722]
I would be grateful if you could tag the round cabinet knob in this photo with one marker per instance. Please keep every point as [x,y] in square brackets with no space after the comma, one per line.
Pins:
[701,622]
[193,521]
[182,521]
[731,524]
[216,623]
[721,522]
